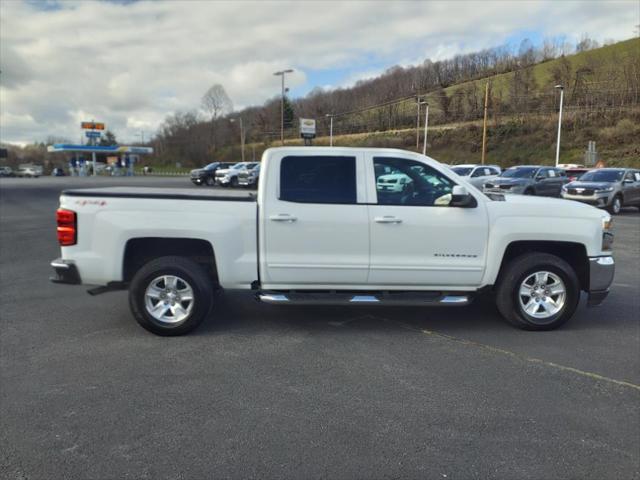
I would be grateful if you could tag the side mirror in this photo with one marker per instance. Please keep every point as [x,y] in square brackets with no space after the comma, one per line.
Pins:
[461,198]
[539,177]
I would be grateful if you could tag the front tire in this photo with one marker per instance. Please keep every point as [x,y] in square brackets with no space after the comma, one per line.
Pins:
[529,191]
[538,291]
[616,205]
[170,295]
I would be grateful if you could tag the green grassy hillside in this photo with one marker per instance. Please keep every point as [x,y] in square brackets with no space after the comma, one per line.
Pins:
[611,58]
[520,139]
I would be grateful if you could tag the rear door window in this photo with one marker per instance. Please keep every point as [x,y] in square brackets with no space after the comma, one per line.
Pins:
[318,179]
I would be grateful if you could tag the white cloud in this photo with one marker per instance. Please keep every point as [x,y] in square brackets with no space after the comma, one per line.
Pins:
[132,64]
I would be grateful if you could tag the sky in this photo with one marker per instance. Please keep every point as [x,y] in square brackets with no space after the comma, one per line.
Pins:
[132,63]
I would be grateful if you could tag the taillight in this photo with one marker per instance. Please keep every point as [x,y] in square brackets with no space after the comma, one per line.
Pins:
[67,232]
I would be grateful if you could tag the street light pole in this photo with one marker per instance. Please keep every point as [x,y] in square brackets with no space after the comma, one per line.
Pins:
[242,135]
[418,103]
[559,123]
[330,115]
[281,74]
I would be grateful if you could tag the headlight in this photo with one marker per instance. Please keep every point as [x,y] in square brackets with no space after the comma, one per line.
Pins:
[608,189]
[607,236]
[564,188]
[488,185]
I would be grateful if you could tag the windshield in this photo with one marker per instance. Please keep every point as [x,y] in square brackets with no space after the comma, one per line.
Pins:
[211,166]
[462,171]
[519,172]
[602,176]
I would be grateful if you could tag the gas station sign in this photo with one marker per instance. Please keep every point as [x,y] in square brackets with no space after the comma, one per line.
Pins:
[92,125]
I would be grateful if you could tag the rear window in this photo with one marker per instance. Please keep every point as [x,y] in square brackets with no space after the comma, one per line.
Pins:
[318,179]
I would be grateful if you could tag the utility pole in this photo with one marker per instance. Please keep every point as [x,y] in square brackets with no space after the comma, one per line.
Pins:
[426,125]
[561,88]
[330,115]
[484,124]
[281,74]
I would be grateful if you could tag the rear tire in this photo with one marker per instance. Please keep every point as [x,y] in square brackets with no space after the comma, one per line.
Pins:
[538,291]
[529,191]
[234,182]
[210,182]
[170,295]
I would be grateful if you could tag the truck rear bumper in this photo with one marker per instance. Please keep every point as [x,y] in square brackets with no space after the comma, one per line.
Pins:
[601,271]
[65,272]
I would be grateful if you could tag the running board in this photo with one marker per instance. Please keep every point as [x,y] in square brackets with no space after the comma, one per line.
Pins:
[364,298]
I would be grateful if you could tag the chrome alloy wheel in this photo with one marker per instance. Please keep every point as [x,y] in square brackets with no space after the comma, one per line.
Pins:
[542,295]
[169,299]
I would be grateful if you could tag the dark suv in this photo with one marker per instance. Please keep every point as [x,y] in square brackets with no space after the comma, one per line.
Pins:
[207,175]
[610,188]
[528,180]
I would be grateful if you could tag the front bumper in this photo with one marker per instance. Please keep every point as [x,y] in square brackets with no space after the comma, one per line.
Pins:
[247,181]
[65,272]
[517,189]
[601,272]
[597,199]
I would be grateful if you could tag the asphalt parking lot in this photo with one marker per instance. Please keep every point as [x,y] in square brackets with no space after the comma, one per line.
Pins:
[287,392]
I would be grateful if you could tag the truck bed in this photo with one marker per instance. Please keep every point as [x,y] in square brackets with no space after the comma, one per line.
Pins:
[163,193]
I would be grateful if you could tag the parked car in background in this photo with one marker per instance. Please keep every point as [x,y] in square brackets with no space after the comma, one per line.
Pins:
[6,171]
[33,171]
[528,180]
[574,173]
[393,182]
[249,177]
[207,175]
[477,175]
[58,172]
[610,188]
[229,176]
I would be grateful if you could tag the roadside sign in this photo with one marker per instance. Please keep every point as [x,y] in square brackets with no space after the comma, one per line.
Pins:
[92,125]
[91,134]
[307,128]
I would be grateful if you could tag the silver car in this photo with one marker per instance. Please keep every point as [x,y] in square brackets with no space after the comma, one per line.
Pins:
[610,188]
[477,175]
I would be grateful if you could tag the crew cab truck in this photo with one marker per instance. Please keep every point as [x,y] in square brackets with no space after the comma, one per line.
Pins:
[321,231]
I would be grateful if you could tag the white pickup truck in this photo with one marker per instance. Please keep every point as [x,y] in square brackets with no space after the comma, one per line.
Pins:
[321,230]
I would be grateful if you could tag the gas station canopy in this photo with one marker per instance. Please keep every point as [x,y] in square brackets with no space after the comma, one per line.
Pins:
[114,149]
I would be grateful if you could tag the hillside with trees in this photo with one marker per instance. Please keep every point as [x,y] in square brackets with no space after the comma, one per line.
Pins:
[601,103]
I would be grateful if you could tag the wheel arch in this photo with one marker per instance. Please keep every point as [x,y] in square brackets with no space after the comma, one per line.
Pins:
[575,254]
[141,250]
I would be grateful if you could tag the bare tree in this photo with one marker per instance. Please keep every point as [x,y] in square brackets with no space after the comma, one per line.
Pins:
[216,102]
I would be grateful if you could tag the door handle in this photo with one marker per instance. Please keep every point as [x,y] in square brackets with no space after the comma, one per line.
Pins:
[387,219]
[282,217]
